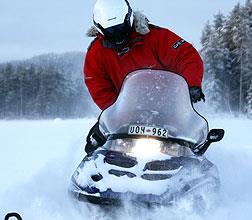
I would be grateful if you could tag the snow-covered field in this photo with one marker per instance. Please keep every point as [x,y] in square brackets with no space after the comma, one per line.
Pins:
[37,159]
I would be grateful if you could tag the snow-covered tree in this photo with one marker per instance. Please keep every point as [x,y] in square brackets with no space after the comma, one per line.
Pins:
[246,67]
[227,54]
[213,54]
[233,39]
[249,101]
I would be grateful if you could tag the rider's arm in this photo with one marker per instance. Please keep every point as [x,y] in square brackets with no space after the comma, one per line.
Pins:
[97,80]
[178,56]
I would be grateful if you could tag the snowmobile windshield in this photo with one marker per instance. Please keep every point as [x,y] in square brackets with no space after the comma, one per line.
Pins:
[154,103]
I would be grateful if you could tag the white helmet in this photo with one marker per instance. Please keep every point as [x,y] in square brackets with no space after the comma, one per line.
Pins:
[114,19]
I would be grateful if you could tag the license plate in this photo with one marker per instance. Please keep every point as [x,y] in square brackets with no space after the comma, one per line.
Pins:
[148,131]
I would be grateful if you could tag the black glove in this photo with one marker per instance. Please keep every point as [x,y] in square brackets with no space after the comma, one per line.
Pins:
[196,94]
[94,139]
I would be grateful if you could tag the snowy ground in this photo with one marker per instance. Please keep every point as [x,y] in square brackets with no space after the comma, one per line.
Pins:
[37,159]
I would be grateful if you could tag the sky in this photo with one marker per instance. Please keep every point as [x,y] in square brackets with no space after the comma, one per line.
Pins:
[33,27]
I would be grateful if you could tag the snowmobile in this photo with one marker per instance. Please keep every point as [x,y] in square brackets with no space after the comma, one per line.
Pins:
[155,145]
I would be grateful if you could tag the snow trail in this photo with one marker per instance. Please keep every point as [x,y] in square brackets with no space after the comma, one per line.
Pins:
[38,157]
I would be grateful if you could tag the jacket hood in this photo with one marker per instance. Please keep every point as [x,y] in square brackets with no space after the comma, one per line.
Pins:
[141,24]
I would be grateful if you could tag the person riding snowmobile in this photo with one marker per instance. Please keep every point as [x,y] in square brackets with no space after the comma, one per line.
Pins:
[125,41]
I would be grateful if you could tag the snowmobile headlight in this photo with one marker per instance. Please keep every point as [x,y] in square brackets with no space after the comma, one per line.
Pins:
[146,148]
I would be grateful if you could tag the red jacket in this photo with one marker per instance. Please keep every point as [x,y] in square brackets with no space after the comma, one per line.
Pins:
[106,68]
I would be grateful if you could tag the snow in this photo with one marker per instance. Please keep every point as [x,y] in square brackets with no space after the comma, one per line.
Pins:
[38,157]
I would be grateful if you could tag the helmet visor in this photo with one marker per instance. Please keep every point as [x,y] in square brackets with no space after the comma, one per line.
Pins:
[118,34]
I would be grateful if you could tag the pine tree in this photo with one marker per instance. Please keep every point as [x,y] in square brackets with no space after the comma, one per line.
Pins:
[233,38]
[10,92]
[246,67]
[227,53]
[213,53]
[2,92]
[249,101]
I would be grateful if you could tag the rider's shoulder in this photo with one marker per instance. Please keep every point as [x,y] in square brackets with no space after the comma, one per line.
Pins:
[155,28]
[95,44]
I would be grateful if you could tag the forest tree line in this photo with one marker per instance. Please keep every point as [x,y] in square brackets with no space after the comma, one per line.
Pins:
[44,87]
[227,55]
